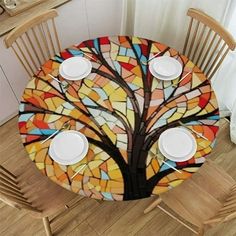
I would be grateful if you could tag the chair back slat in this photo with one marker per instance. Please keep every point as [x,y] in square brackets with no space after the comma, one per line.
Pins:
[8,174]
[188,35]
[198,42]
[230,207]
[33,47]
[35,41]
[218,64]
[210,55]
[56,34]
[11,192]
[38,44]
[203,46]
[208,50]
[8,182]
[43,39]
[232,197]
[193,39]
[5,185]
[215,58]
[205,42]
[9,179]
[228,210]
[8,192]
[228,203]
[21,60]
[17,203]
[233,191]
[27,62]
[49,35]
[27,49]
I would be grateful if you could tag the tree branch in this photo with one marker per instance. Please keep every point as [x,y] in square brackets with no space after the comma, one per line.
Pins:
[117,78]
[170,99]
[154,137]
[152,182]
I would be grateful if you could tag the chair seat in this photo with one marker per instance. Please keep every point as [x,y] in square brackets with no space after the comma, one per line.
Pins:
[183,201]
[200,198]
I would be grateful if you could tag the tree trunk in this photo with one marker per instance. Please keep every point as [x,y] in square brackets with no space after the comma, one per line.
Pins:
[136,183]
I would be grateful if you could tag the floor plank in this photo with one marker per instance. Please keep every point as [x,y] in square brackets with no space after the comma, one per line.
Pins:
[83,229]
[133,221]
[165,225]
[25,226]
[108,213]
[9,216]
[75,217]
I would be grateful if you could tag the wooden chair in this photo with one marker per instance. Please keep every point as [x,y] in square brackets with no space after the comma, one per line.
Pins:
[39,196]
[207,42]
[207,199]
[35,41]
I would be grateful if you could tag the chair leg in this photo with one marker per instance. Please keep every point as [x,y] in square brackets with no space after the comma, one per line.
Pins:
[152,205]
[47,226]
[177,219]
[201,231]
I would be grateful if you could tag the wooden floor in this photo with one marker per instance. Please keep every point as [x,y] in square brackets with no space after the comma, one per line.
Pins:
[107,218]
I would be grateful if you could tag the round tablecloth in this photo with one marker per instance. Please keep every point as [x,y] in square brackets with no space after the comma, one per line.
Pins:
[122,110]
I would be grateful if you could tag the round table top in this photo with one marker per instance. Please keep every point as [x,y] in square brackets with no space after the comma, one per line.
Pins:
[122,109]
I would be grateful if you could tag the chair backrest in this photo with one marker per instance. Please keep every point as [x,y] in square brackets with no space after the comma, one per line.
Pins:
[35,41]
[207,42]
[227,211]
[11,193]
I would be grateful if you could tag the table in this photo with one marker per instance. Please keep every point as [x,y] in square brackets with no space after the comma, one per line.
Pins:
[122,109]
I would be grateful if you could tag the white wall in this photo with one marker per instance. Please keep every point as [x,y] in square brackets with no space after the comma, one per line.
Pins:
[72,23]
[104,17]
[13,70]
[8,105]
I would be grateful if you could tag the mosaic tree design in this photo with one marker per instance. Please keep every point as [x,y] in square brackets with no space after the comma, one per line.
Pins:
[122,109]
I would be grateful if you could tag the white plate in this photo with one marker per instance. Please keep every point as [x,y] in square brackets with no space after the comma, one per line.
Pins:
[75,68]
[68,147]
[165,68]
[177,144]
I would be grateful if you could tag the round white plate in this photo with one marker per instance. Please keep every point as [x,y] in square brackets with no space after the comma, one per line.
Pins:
[75,68]
[165,68]
[68,147]
[177,144]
